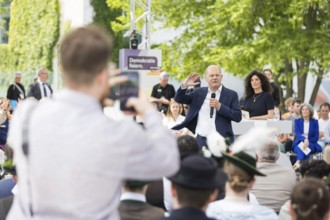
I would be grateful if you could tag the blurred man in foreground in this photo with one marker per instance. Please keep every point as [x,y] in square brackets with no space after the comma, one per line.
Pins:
[71,160]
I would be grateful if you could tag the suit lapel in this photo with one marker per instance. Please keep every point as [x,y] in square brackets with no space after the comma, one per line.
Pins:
[311,128]
[222,94]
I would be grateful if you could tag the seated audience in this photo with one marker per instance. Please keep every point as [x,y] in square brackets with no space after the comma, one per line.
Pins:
[318,169]
[173,117]
[289,106]
[269,191]
[323,122]
[310,201]
[306,131]
[295,110]
[326,150]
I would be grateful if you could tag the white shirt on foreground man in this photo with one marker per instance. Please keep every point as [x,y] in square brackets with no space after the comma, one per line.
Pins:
[78,158]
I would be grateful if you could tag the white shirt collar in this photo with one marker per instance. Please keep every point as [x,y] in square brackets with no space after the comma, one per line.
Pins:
[216,92]
[39,81]
[133,196]
[14,190]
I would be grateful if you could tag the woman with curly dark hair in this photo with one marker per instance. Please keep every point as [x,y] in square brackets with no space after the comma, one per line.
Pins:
[258,101]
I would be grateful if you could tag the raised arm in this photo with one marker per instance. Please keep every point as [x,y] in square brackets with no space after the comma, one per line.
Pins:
[181,96]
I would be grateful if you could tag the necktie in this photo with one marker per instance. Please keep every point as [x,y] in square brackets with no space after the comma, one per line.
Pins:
[45,92]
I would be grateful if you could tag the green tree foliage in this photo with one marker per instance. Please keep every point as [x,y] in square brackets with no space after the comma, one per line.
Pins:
[33,33]
[241,35]
[104,17]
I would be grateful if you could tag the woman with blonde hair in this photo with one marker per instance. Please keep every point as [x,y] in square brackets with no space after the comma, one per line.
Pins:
[241,169]
[173,117]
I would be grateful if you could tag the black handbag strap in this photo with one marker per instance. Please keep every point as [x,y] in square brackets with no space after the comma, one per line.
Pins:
[25,149]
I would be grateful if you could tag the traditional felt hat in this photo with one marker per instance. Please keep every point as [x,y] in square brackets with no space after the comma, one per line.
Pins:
[244,161]
[197,172]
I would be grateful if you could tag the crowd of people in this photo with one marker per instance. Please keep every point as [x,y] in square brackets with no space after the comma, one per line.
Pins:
[64,159]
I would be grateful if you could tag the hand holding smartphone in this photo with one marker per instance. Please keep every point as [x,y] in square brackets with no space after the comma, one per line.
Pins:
[128,89]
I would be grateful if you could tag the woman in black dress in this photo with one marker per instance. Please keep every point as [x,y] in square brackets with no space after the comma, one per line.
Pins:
[259,101]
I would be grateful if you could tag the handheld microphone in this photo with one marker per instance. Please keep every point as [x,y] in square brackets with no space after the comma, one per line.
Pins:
[212,109]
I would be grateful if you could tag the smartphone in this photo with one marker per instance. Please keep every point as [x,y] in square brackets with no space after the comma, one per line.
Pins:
[128,89]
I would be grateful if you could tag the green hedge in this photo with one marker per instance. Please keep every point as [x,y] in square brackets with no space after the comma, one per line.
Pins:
[33,33]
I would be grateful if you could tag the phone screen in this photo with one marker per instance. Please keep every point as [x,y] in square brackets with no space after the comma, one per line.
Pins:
[128,89]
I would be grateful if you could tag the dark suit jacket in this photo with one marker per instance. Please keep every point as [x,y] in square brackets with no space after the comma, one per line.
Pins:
[313,133]
[34,90]
[13,93]
[155,194]
[136,210]
[187,214]
[230,109]
[5,205]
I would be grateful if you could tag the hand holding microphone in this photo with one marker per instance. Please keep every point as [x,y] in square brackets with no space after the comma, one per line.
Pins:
[214,104]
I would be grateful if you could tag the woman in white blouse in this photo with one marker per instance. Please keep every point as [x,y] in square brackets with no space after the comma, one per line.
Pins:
[173,117]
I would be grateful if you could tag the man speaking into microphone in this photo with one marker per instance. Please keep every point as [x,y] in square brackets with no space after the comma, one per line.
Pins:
[211,108]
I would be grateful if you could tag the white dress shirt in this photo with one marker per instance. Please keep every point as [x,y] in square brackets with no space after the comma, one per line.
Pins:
[206,124]
[322,124]
[227,209]
[79,158]
[41,86]
[133,196]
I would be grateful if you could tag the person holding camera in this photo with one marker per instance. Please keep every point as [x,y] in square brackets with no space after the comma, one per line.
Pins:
[71,158]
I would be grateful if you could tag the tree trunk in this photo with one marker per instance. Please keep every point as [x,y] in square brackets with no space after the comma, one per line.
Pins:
[302,72]
[316,86]
[288,76]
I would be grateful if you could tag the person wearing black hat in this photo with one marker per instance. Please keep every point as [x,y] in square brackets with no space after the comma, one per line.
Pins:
[193,188]
[241,169]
